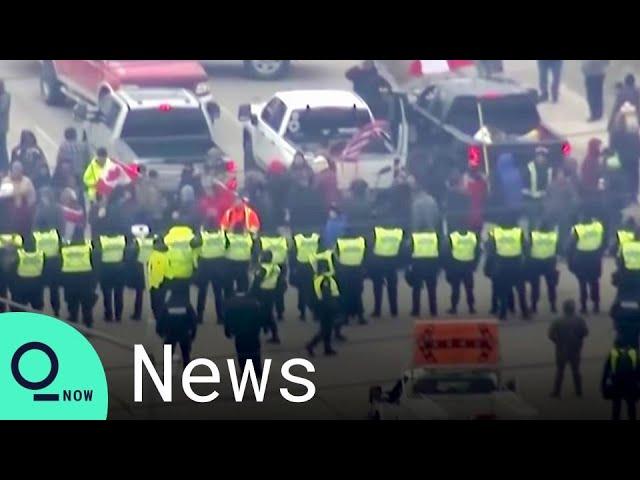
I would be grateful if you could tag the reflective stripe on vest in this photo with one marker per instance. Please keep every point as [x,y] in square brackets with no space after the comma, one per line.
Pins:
[425,245]
[270,280]
[180,256]
[145,247]
[615,354]
[631,255]
[508,241]
[317,286]
[463,247]
[48,242]
[624,236]
[11,239]
[157,268]
[543,245]
[214,244]
[387,241]
[76,258]
[112,248]
[277,246]
[590,236]
[326,255]
[533,177]
[350,251]
[306,246]
[30,264]
[239,247]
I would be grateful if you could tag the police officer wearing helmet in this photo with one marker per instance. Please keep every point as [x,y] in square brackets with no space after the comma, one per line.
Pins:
[506,245]
[271,240]
[422,251]
[620,378]
[326,306]
[350,258]
[139,249]
[176,324]
[27,280]
[461,260]
[305,247]
[584,256]
[383,262]
[78,277]
[541,261]
[266,283]
[211,244]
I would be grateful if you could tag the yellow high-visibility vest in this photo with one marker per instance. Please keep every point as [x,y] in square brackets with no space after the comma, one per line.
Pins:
[306,246]
[76,258]
[48,242]
[387,241]
[350,251]
[157,268]
[325,255]
[214,244]
[463,247]
[317,285]
[277,246]
[10,239]
[630,253]
[590,236]
[533,178]
[544,245]
[270,280]
[180,255]
[624,236]
[240,245]
[30,264]
[92,175]
[112,248]
[508,241]
[425,245]
[145,247]
[615,355]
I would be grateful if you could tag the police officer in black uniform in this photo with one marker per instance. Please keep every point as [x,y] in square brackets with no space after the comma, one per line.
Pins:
[109,254]
[78,277]
[326,307]
[243,322]
[423,256]
[266,283]
[541,261]
[212,246]
[27,279]
[177,323]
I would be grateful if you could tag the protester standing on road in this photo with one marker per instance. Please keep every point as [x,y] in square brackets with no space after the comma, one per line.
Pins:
[625,140]
[620,379]
[334,228]
[510,184]
[73,151]
[590,174]
[594,72]
[5,108]
[357,207]
[478,190]
[425,213]
[626,93]
[28,152]
[546,67]
[560,204]
[300,172]
[150,200]
[567,334]
[457,203]
[21,205]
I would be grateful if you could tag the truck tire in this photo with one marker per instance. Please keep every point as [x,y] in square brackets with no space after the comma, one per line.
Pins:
[247,146]
[50,86]
[266,69]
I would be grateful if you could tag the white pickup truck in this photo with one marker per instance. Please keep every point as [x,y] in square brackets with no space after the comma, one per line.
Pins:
[313,121]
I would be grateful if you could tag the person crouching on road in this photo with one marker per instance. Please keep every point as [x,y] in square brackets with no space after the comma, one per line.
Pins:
[212,248]
[265,287]
[27,282]
[541,261]
[79,278]
[243,322]
[109,254]
[326,307]
[177,324]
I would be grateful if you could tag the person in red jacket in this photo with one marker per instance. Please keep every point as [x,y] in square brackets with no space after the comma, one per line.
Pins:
[240,213]
[476,186]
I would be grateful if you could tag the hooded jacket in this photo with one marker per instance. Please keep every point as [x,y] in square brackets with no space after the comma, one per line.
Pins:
[510,181]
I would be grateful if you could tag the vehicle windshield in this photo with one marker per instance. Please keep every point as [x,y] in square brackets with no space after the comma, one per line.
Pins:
[322,125]
[511,115]
[170,122]
[455,384]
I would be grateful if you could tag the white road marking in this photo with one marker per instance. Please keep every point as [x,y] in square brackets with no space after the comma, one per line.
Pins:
[43,134]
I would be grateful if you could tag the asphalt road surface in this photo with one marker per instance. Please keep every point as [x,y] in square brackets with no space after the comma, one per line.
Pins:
[375,353]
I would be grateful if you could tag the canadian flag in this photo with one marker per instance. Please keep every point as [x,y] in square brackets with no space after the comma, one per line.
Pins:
[431,67]
[116,174]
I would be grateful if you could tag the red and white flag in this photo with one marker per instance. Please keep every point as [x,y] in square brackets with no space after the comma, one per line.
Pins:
[116,174]
[432,67]
[361,139]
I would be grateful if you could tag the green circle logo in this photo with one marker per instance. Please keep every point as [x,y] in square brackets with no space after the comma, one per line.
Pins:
[49,371]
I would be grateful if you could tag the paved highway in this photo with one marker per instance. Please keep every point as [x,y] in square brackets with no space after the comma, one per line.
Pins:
[374,353]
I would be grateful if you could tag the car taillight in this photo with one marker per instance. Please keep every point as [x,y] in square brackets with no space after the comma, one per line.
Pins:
[566,149]
[164,107]
[230,166]
[474,156]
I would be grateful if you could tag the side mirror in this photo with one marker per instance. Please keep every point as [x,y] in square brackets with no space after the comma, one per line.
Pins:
[511,385]
[384,170]
[214,110]
[375,394]
[244,113]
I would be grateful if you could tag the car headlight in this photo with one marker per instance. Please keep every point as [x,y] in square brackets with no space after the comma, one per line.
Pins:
[202,88]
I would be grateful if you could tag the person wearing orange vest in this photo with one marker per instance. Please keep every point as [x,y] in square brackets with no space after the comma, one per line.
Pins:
[240,214]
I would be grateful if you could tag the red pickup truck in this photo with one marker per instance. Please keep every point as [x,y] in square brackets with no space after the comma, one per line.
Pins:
[90,80]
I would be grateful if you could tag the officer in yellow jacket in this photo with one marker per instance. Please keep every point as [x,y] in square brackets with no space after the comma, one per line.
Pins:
[627,277]
[541,261]
[271,240]
[238,258]
[326,307]
[93,173]
[139,248]
[27,283]
[305,245]
[383,261]
[78,277]
[48,241]
[265,285]
[181,256]
[8,243]
[461,260]
[157,268]
[211,244]
[109,254]
[423,253]
[350,258]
